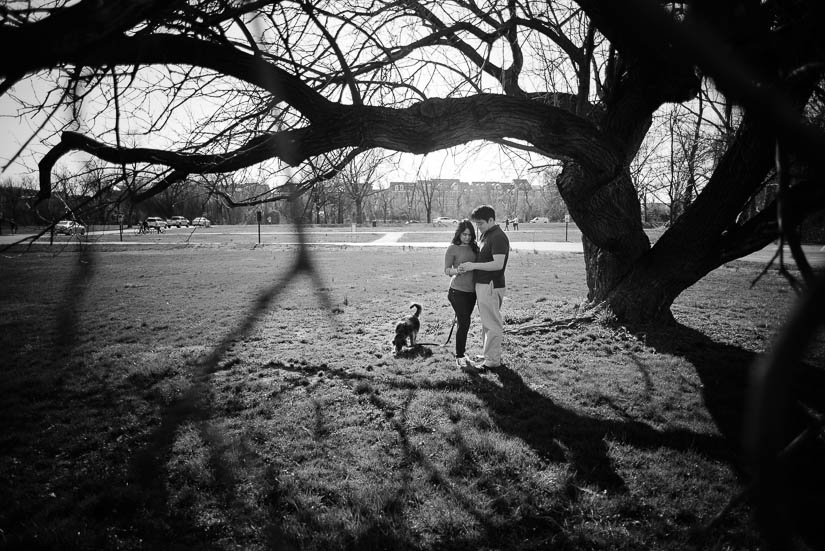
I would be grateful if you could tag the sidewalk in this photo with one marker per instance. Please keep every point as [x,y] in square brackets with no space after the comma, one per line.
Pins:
[814,253]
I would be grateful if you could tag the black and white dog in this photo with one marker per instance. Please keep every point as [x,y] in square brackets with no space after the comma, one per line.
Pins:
[407,329]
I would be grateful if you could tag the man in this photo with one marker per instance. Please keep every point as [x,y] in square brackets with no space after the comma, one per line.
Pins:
[488,275]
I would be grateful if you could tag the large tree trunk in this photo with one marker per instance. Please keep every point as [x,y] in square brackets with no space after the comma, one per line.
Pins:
[640,283]
[612,235]
[701,240]
[694,245]
[601,197]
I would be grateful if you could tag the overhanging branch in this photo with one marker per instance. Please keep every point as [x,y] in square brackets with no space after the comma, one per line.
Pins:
[183,164]
[804,198]
[167,49]
[427,126]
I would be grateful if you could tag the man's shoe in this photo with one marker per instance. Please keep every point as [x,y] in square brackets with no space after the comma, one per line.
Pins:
[486,365]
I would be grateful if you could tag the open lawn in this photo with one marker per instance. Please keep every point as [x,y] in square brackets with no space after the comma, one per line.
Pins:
[197,397]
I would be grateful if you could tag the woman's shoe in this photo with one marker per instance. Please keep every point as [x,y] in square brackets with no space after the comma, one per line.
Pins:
[467,365]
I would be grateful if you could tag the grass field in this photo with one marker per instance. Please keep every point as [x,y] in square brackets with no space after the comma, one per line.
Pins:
[198,397]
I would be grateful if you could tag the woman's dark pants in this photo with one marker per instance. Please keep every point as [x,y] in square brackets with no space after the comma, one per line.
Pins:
[463,304]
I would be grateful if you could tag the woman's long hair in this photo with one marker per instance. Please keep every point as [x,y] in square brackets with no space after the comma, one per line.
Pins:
[466,225]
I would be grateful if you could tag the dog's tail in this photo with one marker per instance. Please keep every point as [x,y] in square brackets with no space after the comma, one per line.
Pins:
[417,309]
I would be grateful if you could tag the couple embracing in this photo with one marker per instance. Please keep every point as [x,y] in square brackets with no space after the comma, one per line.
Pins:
[478,276]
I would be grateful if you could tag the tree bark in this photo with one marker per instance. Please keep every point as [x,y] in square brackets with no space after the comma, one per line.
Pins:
[640,283]
[702,238]
[612,235]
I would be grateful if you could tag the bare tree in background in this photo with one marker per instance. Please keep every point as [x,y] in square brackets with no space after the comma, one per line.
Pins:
[358,180]
[428,187]
[682,179]
[552,205]
[440,203]
[410,200]
[384,199]
[525,206]
[12,201]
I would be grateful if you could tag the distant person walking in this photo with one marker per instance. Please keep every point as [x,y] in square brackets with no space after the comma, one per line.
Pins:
[462,295]
[488,276]
[515,223]
[506,223]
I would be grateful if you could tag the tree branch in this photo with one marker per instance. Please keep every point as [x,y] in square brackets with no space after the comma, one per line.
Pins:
[165,49]
[681,45]
[424,127]
[803,198]
[46,43]
[356,95]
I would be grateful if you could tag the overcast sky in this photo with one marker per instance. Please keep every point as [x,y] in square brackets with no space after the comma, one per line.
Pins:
[14,131]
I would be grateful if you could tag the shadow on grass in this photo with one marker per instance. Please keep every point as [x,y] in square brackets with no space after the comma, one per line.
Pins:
[149,463]
[557,434]
[562,435]
[389,526]
[722,368]
[77,288]
[86,496]
[725,372]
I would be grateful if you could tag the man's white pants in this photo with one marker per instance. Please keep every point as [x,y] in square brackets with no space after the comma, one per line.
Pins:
[489,301]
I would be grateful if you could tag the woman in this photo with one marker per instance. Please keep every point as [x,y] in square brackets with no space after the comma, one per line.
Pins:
[462,294]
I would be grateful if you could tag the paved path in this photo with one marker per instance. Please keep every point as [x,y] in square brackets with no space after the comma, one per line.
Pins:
[389,238]
[437,240]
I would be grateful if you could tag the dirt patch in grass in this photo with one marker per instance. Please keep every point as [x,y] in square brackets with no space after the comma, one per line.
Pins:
[198,398]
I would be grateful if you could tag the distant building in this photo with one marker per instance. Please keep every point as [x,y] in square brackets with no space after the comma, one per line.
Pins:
[455,198]
[402,186]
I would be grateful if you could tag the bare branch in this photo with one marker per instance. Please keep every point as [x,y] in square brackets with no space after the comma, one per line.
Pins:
[428,126]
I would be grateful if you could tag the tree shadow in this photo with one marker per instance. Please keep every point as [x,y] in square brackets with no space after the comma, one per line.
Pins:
[194,406]
[560,434]
[391,527]
[722,369]
[725,372]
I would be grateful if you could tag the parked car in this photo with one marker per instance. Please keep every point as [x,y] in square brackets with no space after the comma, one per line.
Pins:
[444,221]
[540,220]
[178,221]
[156,223]
[70,227]
[201,221]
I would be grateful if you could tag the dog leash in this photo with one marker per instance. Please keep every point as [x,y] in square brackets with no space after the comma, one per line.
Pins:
[455,319]
[450,336]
